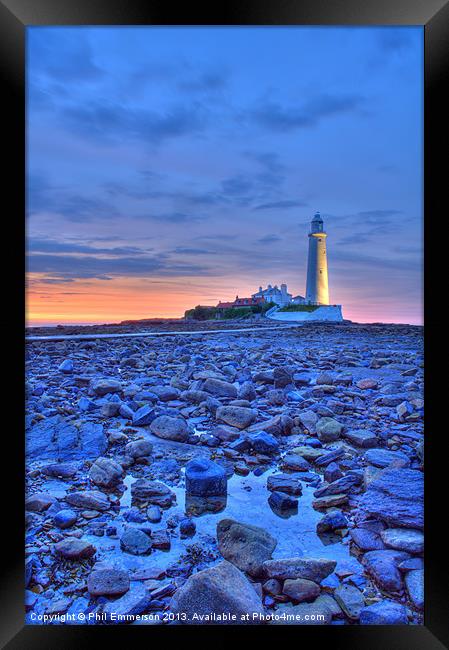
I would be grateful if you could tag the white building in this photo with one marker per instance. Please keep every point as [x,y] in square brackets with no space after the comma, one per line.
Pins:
[280,296]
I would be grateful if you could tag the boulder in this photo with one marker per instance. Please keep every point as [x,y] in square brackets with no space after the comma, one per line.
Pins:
[300,589]
[404,539]
[383,566]
[350,599]
[384,457]
[414,582]
[328,429]
[65,518]
[361,438]
[315,569]
[385,612]
[106,473]
[222,589]
[89,500]
[143,416]
[396,496]
[102,387]
[264,443]
[154,492]
[39,502]
[236,416]
[73,548]
[108,582]
[138,449]
[205,478]
[245,545]
[57,439]
[170,428]
[219,388]
[284,483]
[135,541]
[280,502]
[331,521]
[247,391]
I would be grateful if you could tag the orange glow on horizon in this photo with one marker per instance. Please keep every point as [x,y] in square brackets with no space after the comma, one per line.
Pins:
[99,301]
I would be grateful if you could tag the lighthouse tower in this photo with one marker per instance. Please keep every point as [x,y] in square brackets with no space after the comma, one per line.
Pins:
[317,289]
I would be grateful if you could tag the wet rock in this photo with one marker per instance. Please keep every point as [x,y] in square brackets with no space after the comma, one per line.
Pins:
[194,396]
[331,521]
[219,388]
[102,387]
[315,569]
[295,463]
[106,473]
[328,429]
[58,439]
[39,502]
[284,483]
[404,539]
[223,588]
[187,528]
[367,384]
[340,486]
[276,397]
[65,518]
[236,416]
[308,420]
[322,503]
[396,497]
[139,449]
[170,428]
[166,393]
[60,470]
[303,614]
[384,457]
[135,541]
[205,478]
[247,391]
[122,610]
[282,377]
[414,582]
[366,540]
[154,492]
[154,514]
[89,499]
[282,503]
[110,409]
[244,545]
[73,548]
[264,443]
[385,612]
[383,566]
[143,416]
[350,599]
[160,539]
[329,457]
[108,582]
[300,590]
[361,438]
[66,366]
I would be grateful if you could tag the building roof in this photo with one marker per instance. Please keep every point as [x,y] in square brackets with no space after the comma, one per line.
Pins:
[225,304]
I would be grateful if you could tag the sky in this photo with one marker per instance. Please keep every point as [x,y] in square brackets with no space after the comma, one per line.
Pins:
[171,167]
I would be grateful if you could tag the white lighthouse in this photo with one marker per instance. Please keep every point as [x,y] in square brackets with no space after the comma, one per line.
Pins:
[317,288]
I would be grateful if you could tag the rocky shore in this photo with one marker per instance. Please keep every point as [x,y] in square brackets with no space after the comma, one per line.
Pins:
[265,477]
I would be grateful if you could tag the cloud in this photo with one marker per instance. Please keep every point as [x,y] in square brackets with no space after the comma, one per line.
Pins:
[174,217]
[111,122]
[63,55]
[278,118]
[208,81]
[84,267]
[269,239]
[53,246]
[280,205]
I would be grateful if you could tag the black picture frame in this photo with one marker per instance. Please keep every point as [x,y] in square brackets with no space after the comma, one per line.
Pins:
[15,16]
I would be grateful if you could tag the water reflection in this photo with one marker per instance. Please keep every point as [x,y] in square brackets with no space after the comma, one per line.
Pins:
[197,506]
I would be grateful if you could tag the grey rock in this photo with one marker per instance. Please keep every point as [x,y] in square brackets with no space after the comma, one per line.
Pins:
[284,483]
[300,589]
[89,500]
[102,387]
[73,548]
[236,416]
[219,388]
[350,599]
[414,582]
[361,438]
[383,566]
[384,457]
[108,582]
[205,478]
[396,496]
[135,541]
[39,502]
[328,429]
[404,539]
[65,518]
[170,428]
[222,588]
[139,449]
[315,569]
[385,612]
[144,416]
[106,473]
[245,545]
